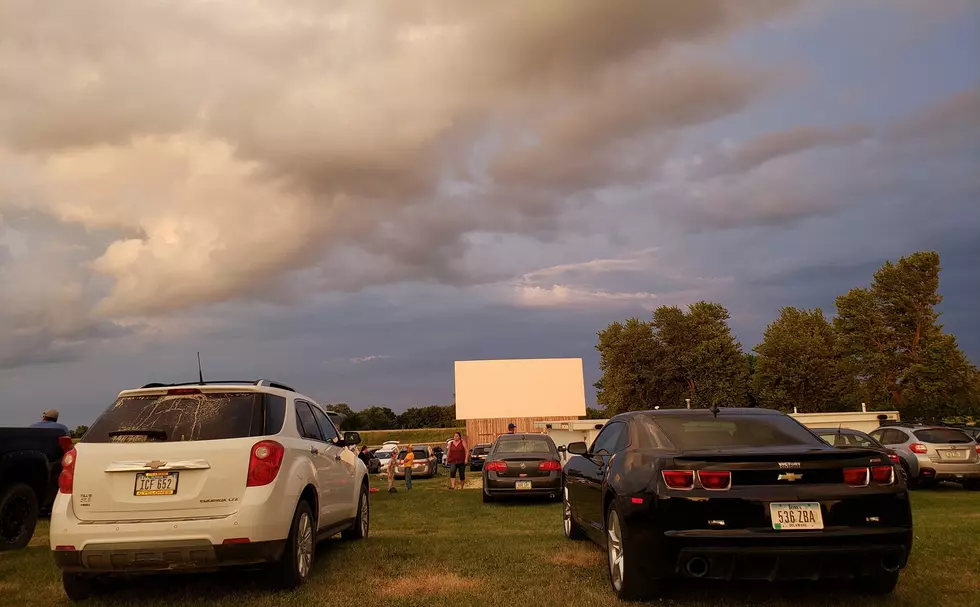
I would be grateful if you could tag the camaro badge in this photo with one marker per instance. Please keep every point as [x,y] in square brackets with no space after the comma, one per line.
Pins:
[789,476]
[789,465]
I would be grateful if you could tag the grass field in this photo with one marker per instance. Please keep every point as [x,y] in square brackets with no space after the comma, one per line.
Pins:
[434,547]
[419,435]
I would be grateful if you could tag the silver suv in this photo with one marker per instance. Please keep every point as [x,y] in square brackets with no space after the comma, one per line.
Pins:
[930,454]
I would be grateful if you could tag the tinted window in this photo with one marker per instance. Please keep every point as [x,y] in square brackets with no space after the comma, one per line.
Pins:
[942,435]
[275,413]
[689,432]
[608,439]
[306,423]
[187,417]
[895,437]
[523,445]
[848,440]
[326,428]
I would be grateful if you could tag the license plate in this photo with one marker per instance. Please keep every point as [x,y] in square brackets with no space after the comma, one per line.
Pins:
[796,515]
[155,483]
[522,485]
[957,454]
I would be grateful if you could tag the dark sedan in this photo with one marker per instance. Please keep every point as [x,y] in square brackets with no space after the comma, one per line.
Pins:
[735,494]
[845,437]
[522,465]
[478,456]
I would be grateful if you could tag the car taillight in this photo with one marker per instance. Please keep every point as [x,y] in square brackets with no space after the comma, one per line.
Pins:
[883,475]
[183,391]
[264,463]
[66,480]
[715,481]
[552,466]
[918,448]
[893,457]
[978,448]
[856,477]
[495,467]
[679,479]
[65,443]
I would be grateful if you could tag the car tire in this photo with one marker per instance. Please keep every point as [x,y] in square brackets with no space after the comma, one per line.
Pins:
[624,562]
[972,485]
[18,516]
[572,529]
[877,585]
[362,522]
[78,586]
[293,569]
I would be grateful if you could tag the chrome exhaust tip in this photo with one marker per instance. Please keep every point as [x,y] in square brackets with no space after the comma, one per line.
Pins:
[697,567]
[890,564]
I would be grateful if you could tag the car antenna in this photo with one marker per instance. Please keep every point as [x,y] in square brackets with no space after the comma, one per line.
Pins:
[715,409]
[838,433]
[200,373]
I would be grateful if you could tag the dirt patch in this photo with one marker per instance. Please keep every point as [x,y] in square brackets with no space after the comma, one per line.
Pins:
[6,587]
[440,583]
[578,556]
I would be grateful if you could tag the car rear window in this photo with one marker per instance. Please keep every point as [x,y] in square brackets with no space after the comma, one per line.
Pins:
[688,433]
[942,435]
[419,453]
[189,417]
[479,449]
[524,445]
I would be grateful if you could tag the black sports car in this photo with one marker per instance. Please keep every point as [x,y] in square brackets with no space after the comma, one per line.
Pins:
[735,494]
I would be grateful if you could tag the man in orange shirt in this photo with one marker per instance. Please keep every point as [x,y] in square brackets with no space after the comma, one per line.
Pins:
[407,467]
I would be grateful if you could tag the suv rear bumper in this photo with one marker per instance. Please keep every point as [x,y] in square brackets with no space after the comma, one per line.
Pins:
[948,471]
[167,555]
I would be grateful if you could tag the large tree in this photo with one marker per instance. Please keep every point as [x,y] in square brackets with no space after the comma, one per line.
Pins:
[629,358]
[892,343]
[377,418]
[797,364]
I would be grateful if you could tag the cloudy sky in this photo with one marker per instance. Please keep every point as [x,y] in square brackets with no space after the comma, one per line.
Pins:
[350,198]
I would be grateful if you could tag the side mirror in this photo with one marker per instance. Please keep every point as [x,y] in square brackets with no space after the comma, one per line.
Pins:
[561,448]
[577,448]
[352,438]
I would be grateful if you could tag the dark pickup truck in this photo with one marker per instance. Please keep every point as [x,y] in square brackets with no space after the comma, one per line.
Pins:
[30,462]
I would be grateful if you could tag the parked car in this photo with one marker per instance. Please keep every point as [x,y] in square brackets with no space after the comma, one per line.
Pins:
[425,465]
[440,453]
[846,437]
[30,462]
[931,454]
[522,465]
[206,475]
[734,494]
[478,456]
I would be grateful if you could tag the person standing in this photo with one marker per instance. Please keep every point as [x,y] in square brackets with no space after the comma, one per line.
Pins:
[365,456]
[407,464]
[392,464]
[49,419]
[511,428]
[456,458]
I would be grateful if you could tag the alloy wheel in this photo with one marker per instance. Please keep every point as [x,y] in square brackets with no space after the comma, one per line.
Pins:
[566,513]
[365,515]
[304,545]
[617,563]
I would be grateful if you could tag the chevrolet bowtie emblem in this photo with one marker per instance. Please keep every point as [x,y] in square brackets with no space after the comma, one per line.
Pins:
[789,476]
[523,466]
[155,464]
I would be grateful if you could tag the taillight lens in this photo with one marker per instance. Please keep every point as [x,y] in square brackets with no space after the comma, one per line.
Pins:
[552,466]
[978,448]
[856,477]
[679,479]
[883,475]
[918,448]
[715,481]
[65,443]
[66,480]
[495,467]
[893,457]
[264,463]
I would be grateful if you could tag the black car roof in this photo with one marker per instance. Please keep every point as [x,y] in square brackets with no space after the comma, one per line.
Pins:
[721,412]
[522,436]
[839,431]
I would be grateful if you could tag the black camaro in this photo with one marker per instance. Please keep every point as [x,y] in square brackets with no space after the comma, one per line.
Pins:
[735,494]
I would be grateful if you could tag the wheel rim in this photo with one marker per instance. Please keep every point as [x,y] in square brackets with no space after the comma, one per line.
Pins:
[566,513]
[365,515]
[304,545]
[13,518]
[616,558]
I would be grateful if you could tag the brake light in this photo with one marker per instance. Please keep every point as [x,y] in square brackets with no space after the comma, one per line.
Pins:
[237,540]
[883,475]
[893,457]
[550,466]
[918,448]
[715,481]
[679,479]
[978,448]
[183,391]
[495,467]
[65,443]
[264,463]
[66,480]
[857,477]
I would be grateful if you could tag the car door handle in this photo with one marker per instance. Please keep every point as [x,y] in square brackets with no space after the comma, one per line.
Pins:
[314,450]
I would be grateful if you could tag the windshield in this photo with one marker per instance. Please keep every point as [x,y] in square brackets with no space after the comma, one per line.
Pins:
[949,436]
[188,417]
[689,433]
[526,445]
[419,453]
[383,454]
[849,440]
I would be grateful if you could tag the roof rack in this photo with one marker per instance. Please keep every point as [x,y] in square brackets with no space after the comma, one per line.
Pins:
[251,382]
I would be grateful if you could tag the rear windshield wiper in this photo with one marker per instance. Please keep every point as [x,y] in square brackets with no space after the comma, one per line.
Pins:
[148,433]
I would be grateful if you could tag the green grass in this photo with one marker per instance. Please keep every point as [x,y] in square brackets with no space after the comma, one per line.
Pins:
[434,547]
[374,438]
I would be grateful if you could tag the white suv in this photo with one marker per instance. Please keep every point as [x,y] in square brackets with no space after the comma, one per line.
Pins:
[199,476]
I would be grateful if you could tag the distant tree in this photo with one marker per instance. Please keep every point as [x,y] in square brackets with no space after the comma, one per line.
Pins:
[750,365]
[79,432]
[892,344]
[797,364]
[432,416]
[377,418]
[629,358]
[352,420]
[591,413]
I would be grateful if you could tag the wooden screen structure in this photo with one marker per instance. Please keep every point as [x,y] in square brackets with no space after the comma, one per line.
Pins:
[486,430]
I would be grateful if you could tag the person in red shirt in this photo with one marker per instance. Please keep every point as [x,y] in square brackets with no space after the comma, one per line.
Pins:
[456,458]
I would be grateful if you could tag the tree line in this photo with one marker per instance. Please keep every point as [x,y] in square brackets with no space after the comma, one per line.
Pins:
[383,418]
[884,347]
